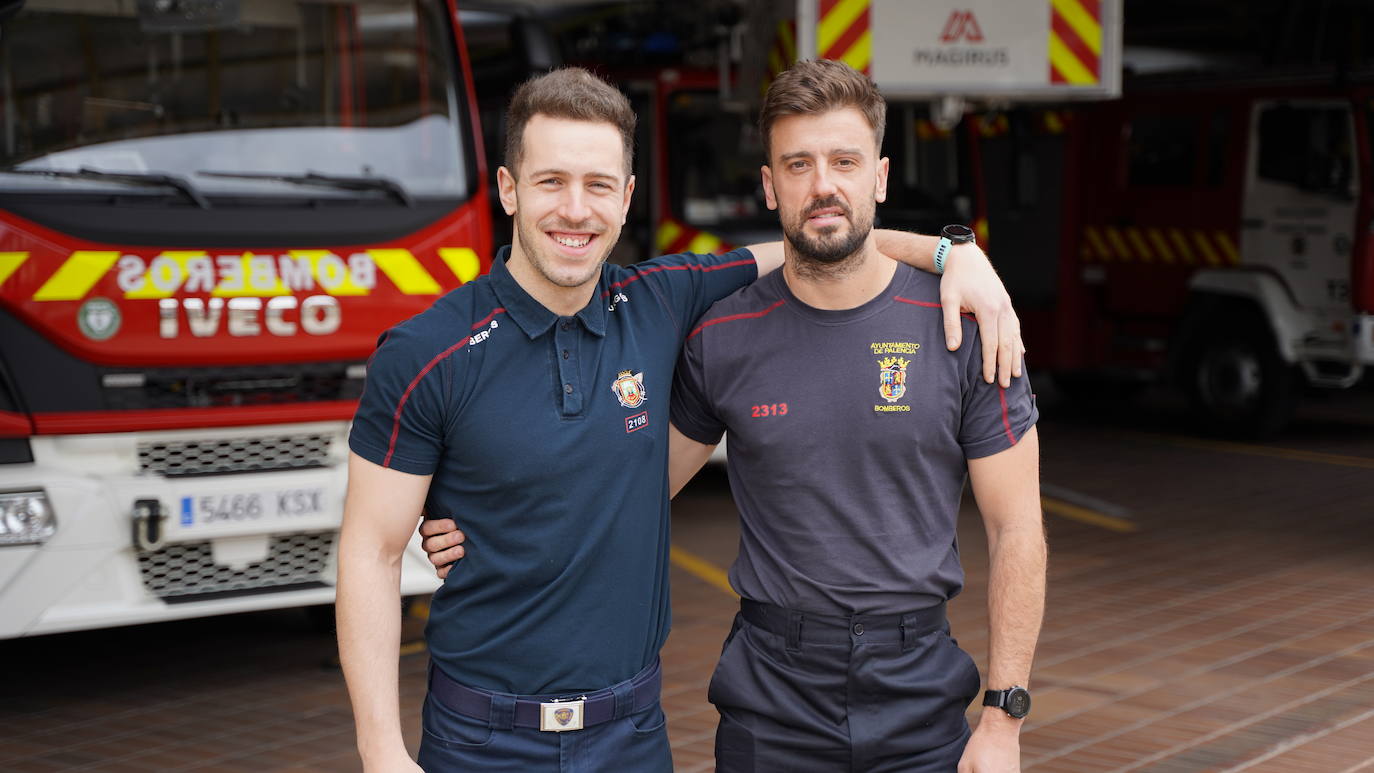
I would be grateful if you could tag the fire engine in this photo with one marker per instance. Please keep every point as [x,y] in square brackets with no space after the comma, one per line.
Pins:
[1212,228]
[208,213]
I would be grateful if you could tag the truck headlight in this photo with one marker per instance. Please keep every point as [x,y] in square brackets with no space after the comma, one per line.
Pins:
[26,518]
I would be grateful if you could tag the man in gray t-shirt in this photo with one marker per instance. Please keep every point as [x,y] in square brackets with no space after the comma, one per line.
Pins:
[852,432]
[849,434]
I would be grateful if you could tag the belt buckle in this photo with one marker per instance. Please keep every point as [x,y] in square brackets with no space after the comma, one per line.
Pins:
[561,715]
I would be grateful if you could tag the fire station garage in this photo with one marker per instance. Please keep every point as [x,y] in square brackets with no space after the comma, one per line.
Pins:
[212,213]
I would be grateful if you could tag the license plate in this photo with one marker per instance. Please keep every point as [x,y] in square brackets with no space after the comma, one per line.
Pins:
[250,507]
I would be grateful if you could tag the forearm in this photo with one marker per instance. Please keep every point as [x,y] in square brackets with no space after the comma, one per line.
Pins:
[369,623]
[915,250]
[1016,603]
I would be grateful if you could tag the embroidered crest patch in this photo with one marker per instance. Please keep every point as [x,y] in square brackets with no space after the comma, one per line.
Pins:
[629,389]
[892,378]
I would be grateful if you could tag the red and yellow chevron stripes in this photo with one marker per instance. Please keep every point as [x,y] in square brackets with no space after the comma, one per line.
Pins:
[782,53]
[165,274]
[674,237]
[843,34]
[1163,245]
[1075,42]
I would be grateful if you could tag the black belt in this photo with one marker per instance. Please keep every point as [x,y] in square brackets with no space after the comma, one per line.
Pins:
[798,626]
[550,713]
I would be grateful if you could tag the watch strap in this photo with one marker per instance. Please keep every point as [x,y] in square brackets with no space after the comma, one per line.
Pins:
[942,252]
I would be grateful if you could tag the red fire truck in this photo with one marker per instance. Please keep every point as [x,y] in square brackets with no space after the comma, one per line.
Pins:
[1216,228]
[208,213]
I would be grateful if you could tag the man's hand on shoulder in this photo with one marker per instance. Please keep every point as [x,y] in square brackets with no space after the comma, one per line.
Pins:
[995,746]
[970,284]
[443,543]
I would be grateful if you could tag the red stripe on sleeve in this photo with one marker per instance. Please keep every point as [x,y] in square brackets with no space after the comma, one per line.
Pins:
[1006,422]
[931,305]
[405,397]
[732,318]
[486,319]
[684,267]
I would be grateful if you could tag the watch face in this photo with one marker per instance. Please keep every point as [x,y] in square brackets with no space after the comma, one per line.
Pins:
[1018,703]
[959,234]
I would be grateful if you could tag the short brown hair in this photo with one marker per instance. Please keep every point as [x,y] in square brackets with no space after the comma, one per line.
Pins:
[571,93]
[814,86]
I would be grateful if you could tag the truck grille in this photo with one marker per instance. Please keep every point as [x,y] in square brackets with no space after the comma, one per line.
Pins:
[182,458]
[185,570]
[251,385]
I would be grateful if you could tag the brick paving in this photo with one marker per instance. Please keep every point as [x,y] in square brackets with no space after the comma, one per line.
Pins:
[1232,631]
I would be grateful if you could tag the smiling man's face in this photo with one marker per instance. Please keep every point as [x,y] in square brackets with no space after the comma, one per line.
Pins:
[570,199]
[825,179]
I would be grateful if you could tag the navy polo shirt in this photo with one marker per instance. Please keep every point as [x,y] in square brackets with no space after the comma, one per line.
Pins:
[547,438]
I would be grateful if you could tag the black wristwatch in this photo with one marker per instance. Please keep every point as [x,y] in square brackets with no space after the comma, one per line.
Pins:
[1015,701]
[950,235]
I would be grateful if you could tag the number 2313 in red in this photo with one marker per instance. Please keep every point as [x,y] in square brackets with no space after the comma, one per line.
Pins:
[772,409]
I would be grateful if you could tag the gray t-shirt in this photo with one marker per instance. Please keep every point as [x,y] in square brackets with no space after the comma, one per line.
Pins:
[849,435]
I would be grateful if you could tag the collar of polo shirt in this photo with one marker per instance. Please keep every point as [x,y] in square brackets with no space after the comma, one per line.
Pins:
[531,315]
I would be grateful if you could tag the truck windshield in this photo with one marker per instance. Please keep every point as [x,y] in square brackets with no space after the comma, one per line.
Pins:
[258,91]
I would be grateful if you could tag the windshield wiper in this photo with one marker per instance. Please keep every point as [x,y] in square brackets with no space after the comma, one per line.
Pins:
[361,183]
[180,184]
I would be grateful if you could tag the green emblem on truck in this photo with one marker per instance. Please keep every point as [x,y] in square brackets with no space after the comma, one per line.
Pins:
[98,319]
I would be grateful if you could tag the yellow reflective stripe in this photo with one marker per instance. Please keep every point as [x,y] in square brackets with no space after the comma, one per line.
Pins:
[1161,246]
[1081,22]
[668,231]
[1099,247]
[1228,248]
[10,262]
[405,271]
[77,275]
[837,22]
[1142,250]
[704,243]
[1063,60]
[1119,248]
[462,261]
[860,55]
[1184,251]
[980,226]
[1053,123]
[1205,248]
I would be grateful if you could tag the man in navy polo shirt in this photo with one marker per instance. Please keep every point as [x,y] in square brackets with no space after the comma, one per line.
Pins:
[534,401]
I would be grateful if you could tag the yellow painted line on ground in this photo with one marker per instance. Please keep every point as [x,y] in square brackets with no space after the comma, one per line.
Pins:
[1293,454]
[701,569]
[1086,515]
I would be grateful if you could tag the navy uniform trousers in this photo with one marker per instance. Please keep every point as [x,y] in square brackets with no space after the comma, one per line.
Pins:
[800,692]
[633,739]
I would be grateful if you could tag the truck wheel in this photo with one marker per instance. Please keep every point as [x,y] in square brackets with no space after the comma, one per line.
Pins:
[1241,387]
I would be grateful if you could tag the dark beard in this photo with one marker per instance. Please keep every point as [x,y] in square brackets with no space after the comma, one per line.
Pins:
[827,249]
